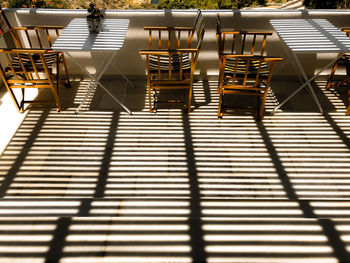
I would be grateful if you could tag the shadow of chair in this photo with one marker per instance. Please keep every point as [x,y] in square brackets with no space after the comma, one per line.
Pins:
[342,62]
[171,60]
[30,69]
[243,67]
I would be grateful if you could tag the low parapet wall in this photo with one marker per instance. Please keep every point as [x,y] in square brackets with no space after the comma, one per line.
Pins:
[130,62]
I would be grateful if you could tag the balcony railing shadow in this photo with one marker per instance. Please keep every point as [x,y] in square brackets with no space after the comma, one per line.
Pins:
[105,186]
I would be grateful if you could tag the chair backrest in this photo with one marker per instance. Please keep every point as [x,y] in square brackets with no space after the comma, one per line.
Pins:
[26,66]
[4,23]
[164,37]
[240,41]
[253,42]
[35,36]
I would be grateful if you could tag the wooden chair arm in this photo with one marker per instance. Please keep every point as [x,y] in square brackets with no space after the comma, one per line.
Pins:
[235,32]
[265,58]
[26,50]
[36,27]
[167,51]
[168,28]
[268,33]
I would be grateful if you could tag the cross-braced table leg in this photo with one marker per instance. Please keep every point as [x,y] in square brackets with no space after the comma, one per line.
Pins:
[307,83]
[95,80]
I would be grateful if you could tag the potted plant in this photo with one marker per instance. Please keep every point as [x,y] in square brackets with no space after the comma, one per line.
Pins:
[94,19]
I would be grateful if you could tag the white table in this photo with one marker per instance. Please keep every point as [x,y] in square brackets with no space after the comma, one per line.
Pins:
[310,36]
[76,37]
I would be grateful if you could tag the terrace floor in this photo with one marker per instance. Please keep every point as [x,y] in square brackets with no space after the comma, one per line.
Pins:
[105,186]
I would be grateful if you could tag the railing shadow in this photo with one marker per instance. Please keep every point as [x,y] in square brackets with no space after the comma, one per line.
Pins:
[170,187]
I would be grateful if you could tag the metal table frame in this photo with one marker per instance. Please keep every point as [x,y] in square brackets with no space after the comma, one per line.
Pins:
[310,36]
[76,37]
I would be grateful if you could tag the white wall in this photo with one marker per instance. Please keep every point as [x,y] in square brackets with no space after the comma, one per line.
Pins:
[129,61]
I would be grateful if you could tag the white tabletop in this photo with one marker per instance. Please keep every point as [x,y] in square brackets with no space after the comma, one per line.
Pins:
[311,35]
[76,36]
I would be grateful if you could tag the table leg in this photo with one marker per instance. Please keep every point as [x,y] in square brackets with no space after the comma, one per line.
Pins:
[123,75]
[313,94]
[307,83]
[97,82]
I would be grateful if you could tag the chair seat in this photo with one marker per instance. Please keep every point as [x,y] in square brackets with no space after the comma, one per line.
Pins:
[241,68]
[162,62]
[50,59]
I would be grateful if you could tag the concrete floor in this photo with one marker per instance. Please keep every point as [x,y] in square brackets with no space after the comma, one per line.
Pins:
[105,186]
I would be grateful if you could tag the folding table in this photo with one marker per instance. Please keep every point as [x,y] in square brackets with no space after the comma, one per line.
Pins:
[76,37]
[310,36]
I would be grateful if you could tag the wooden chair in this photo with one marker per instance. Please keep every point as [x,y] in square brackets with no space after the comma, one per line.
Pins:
[247,75]
[239,42]
[33,37]
[343,62]
[30,69]
[171,60]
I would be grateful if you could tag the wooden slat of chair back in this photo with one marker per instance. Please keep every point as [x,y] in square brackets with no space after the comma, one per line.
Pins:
[243,42]
[240,41]
[168,37]
[253,42]
[4,23]
[35,36]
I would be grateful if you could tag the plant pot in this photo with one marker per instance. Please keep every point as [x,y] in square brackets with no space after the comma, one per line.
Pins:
[94,24]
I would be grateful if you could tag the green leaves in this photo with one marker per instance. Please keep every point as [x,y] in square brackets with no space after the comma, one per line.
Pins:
[37,4]
[325,4]
[208,4]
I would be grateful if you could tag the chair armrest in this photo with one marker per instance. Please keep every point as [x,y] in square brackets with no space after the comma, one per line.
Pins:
[36,27]
[235,32]
[168,28]
[265,58]
[268,33]
[26,50]
[167,51]
[229,31]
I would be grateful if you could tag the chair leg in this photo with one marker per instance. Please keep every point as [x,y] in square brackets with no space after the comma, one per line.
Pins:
[149,94]
[150,101]
[221,98]
[348,107]
[258,117]
[329,82]
[67,84]
[262,106]
[219,82]
[189,99]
